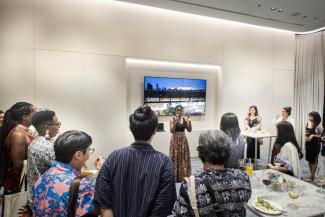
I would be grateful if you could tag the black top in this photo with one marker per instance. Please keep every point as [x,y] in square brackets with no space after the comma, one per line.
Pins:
[181,127]
[136,181]
[252,122]
[310,131]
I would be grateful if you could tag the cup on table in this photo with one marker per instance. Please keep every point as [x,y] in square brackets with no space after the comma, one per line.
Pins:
[249,167]
[242,164]
[266,180]
[294,193]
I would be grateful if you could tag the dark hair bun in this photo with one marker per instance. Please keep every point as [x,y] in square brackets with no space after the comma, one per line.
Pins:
[143,113]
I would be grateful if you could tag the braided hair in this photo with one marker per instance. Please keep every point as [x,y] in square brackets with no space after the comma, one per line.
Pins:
[13,117]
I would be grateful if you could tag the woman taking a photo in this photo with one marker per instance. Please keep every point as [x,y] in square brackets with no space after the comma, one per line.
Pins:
[179,151]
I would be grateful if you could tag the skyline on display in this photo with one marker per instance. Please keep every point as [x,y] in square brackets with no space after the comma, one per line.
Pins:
[164,94]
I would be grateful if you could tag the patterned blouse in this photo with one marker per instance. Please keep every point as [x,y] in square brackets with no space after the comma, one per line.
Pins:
[39,159]
[222,193]
[51,192]
[237,151]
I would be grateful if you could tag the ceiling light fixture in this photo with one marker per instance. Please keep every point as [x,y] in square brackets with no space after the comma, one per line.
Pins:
[280,10]
[259,5]
[305,16]
[295,14]
[315,18]
[273,9]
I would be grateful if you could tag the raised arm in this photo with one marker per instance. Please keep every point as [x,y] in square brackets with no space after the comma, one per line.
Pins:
[246,123]
[259,122]
[172,125]
[188,123]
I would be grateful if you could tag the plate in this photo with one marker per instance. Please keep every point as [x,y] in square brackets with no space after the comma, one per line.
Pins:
[263,209]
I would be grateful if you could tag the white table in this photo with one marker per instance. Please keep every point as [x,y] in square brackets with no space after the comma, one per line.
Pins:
[311,203]
[259,135]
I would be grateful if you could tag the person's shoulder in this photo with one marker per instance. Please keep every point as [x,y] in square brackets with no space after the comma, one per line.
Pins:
[162,156]
[238,173]
[119,152]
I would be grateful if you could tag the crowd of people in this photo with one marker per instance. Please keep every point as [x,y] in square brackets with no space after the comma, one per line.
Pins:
[138,180]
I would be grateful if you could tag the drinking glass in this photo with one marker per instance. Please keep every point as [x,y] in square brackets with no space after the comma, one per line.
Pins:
[321,177]
[249,167]
[294,192]
[266,180]
[242,164]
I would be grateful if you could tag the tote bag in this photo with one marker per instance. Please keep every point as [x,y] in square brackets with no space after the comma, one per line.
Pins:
[15,203]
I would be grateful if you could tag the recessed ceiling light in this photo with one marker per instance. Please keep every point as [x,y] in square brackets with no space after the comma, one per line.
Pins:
[315,18]
[305,16]
[259,5]
[273,9]
[295,14]
[280,10]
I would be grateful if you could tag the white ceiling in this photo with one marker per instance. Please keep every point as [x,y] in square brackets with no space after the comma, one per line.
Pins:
[297,15]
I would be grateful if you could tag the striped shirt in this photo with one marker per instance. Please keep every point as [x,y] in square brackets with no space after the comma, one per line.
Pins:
[136,181]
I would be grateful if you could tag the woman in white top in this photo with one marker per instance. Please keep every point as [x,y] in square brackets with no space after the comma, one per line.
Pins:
[286,151]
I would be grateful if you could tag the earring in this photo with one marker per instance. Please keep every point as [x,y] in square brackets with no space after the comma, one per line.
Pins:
[47,134]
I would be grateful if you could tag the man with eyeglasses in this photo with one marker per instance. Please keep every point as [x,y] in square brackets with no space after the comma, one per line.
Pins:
[51,190]
[40,153]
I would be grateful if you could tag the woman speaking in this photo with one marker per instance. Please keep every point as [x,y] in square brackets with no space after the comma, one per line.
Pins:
[179,151]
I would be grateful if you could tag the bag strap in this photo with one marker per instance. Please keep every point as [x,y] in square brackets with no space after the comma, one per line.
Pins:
[73,196]
[192,195]
[23,177]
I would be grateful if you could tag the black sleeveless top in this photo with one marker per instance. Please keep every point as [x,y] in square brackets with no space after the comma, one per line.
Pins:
[252,122]
[181,127]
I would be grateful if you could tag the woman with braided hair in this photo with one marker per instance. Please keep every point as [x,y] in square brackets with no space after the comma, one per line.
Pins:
[14,142]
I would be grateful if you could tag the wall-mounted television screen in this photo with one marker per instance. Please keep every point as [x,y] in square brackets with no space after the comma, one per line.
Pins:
[164,94]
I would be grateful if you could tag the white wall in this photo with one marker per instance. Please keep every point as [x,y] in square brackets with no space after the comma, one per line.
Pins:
[69,56]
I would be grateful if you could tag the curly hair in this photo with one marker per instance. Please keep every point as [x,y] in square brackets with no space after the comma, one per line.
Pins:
[214,147]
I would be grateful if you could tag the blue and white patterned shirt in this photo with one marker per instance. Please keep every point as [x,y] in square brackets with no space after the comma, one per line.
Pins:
[237,151]
[222,193]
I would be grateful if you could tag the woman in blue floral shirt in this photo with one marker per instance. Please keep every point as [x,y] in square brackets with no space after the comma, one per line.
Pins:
[219,191]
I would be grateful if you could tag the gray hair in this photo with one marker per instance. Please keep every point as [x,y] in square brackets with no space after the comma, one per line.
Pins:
[214,147]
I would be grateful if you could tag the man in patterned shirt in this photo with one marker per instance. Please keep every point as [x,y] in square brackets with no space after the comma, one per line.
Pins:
[41,152]
[51,190]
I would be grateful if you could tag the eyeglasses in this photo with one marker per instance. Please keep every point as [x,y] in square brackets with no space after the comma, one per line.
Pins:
[57,124]
[91,150]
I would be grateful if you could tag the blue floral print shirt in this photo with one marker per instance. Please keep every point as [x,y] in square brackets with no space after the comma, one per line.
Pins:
[51,192]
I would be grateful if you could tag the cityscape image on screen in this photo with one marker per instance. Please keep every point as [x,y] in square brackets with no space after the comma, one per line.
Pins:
[164,94]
